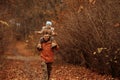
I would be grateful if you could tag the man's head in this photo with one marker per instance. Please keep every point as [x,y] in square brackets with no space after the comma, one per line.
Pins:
[46,37]
[48,23]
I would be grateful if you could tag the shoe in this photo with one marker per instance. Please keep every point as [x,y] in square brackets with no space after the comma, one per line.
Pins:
[39,47]
[54,45]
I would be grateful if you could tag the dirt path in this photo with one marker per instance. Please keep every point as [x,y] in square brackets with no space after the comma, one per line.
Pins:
[21,64]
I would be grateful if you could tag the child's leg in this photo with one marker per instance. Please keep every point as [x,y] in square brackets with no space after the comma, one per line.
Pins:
[40,43]
[53,41]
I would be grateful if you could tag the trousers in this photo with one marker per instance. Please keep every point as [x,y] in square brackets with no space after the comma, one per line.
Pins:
[46,70]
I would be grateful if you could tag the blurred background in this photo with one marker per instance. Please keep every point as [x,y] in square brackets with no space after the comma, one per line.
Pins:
[88,30]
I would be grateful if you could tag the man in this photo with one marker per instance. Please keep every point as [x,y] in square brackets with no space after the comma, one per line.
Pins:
[47,56]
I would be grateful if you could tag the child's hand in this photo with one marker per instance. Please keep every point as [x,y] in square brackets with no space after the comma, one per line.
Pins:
[36,32]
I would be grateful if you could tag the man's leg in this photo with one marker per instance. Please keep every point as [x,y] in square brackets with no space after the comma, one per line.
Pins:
[49,69]
[44,71]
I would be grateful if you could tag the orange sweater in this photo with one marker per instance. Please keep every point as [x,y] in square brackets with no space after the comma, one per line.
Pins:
[47,53]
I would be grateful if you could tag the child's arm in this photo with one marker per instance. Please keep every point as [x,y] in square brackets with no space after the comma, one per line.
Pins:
[41,31]
[38,32]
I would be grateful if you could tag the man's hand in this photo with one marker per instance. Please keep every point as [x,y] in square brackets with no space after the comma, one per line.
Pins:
[39,47]
[55,46]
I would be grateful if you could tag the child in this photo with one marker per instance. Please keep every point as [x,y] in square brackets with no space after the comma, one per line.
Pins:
[48,29]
